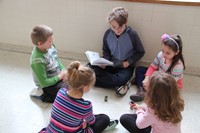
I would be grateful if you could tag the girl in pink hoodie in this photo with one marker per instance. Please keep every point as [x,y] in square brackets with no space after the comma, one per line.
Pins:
[162,112]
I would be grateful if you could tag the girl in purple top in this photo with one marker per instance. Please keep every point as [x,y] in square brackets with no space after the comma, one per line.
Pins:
[162,112]
[73,114]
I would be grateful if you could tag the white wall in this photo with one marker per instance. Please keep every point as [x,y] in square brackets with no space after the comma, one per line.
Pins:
[79,25]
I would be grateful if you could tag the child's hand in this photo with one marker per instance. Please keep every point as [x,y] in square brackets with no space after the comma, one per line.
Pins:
[62,74]
[134,105]
[125,64]
[84,125]
[137,107]
[102,66]
[145,82]
[65,78]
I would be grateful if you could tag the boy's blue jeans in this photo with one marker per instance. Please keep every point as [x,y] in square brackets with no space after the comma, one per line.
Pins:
[111,77]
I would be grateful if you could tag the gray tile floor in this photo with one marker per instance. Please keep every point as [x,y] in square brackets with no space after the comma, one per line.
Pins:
[21,114]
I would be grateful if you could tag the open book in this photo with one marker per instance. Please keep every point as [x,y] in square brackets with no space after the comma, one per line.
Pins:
[96,60]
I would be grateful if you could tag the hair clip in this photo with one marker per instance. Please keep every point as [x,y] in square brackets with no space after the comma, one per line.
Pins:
[165,36]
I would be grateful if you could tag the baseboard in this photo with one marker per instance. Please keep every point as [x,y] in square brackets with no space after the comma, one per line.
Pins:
[81,57]
[28,50]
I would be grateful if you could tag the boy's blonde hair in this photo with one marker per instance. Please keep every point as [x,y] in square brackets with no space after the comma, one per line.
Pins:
[164,98]
[41,33]
[118,14]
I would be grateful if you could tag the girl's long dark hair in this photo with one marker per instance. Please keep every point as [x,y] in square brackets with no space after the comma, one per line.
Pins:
[170,43]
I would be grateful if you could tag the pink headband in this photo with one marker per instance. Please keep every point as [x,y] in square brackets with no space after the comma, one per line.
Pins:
[165,36]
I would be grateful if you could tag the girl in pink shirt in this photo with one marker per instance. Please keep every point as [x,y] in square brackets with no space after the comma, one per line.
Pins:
[169,60]
[162,110]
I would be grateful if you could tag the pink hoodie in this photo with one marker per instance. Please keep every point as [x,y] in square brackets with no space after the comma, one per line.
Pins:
[146,117]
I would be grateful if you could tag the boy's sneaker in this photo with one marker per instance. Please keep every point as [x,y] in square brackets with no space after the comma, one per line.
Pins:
[36,92]
[129,83]
[139,96]
[112,125]
[123,89]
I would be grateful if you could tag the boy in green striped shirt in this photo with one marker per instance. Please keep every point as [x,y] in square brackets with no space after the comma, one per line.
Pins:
[48,71]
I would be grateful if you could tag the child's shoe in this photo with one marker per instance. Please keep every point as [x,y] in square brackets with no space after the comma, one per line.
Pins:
[139,96]
[36,92]
[112,125]
[121,91]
